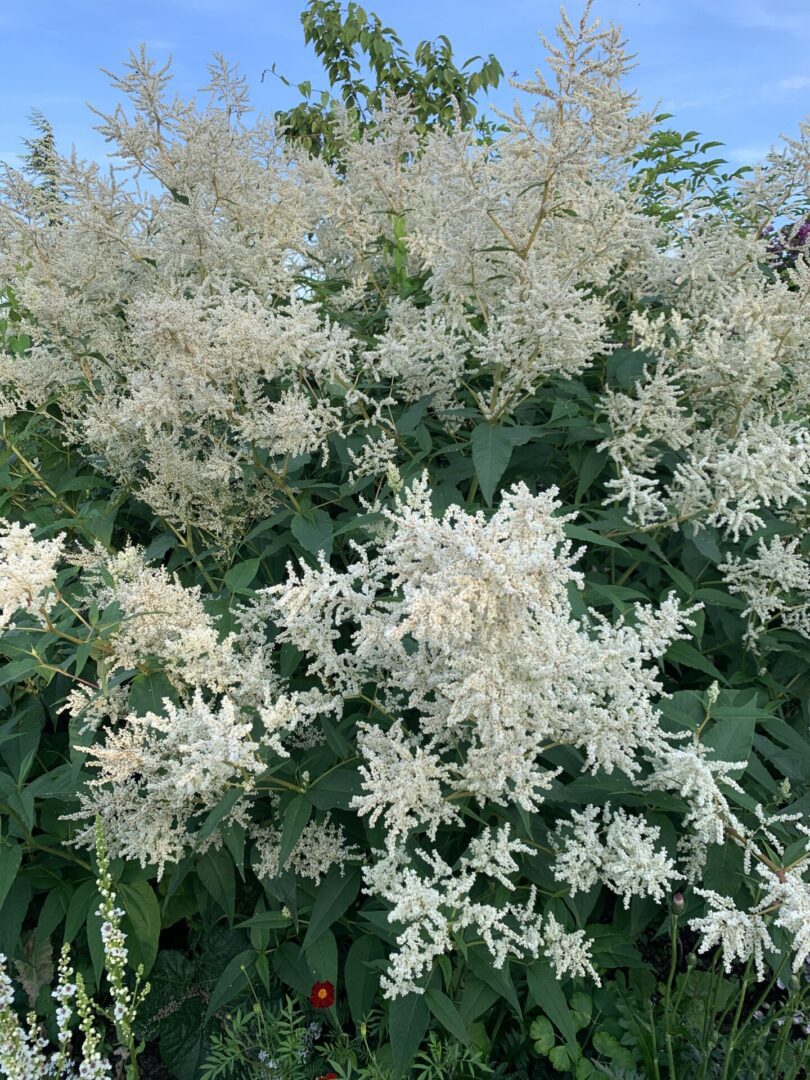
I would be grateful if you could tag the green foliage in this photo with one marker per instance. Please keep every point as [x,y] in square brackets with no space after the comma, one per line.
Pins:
[677,160]
[365,63]
[212,936]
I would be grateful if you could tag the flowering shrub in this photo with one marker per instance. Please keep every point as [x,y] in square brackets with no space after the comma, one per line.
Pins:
[406,561]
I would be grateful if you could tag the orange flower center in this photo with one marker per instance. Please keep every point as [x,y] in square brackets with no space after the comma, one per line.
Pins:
[321,993]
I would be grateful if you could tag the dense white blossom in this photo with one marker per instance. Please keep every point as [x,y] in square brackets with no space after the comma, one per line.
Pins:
[321,845]
[775,584]
[158,770]
[182,333]
[27,570]
[742,935]
[615,848]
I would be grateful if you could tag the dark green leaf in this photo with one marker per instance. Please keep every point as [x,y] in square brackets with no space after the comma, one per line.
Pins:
[296,818]
[313,531]
[548,995]
[335,893]
[446,1013]
[491,450]
[408,1021]
[215,870]
[231,982]
[361,976]
[143,914]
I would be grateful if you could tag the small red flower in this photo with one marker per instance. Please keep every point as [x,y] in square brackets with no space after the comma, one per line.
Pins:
[329,1076]
[322,995]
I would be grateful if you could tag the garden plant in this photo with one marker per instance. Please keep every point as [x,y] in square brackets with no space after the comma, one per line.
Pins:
[404,581]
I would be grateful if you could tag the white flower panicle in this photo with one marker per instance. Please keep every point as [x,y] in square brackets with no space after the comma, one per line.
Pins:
[741,935]
[321,845]
[464,625]
[615,848]
[775,584]
[183,333]
[158,771]
[28,570]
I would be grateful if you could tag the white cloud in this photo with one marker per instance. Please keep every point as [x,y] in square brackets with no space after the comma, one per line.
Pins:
[786,88]
[795,82]
[786,16]
[746,155]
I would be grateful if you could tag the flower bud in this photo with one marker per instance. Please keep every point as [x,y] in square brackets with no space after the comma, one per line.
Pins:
[678,903]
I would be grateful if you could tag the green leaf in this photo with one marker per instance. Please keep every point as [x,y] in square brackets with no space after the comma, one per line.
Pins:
[579,532]
[498,978]
[313,531]
[321,958]
[292,968]
[731,739]
[446,1013]
[591,467]
[183,1040]
[296,818]
[220,811]
[266,920]
[53,910]
[610,1047]
[146,693]
[335,790]
[681,652]
[543,1035]
[231,982]
[80,903]
[548,995]
[335,894]
[581,1009]
[476,998]
[18,670]
[612,947]
[143,913]
[412,416]
[95,944]
[10,859]
[215,870]
[241,575]
[491,450]
[362,978]
[408,1019]
[561,1058]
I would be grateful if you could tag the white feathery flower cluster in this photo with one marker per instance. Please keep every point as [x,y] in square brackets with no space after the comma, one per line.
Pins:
[651,419]
[697,778]
[421,350]
[373,458]
[292,716]
[172,325]
[161,619]
[568,951]
[480,641]
[615,848]
[775,584]
[789,893]
[156,772]
[434,900]
[464,625]
[27,570]
[321,845]
[741,935]
[711,433]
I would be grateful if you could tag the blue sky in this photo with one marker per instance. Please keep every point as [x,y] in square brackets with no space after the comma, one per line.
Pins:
[736,70]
